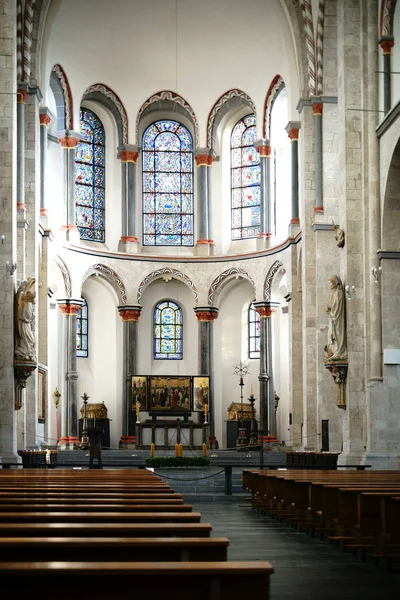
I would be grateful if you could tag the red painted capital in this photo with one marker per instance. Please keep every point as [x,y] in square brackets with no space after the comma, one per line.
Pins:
[265,311]
[69,309]
[264,151]
[206,315]
[44,119]
[68,142]
[130,314]
[293,134]
[387,46]
[203,160]
[129,156]
[317,109]
[22,96]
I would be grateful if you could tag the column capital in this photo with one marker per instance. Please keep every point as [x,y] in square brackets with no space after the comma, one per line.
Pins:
[292,129]
[45,116]
[70,307]
[263,147]
[22,95]
[206,313]
[128,153]
[317,109]
[204,157]
[386,44]
[265,308]
[69,139]
[129,313]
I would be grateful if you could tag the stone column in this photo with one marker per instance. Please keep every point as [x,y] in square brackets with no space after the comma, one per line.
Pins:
[264,149]
[69,391]
[69,140]
[387,44]
[205,244]
[292,129]
[44,119]
[129,242]
[130,316]
[205,318]
[266,376]
[317,113]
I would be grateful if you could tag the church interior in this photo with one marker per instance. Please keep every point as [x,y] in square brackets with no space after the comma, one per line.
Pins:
[192,232]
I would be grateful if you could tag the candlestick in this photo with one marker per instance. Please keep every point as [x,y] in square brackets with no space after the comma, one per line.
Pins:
[152,448]
[138,408]
[206,409]
[84,387]
[251,390]
[204,449]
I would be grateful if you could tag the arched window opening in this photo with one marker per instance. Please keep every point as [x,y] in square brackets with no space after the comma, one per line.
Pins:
[281,176]
[82,349]
[168,331]
[167,185]
[90,178]
[245,180]
[254,332]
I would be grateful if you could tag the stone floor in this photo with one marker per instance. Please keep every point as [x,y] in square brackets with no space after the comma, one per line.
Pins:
[305,568]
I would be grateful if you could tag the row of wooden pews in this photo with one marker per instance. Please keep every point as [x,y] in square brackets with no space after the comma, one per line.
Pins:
[357,510]
[116,531]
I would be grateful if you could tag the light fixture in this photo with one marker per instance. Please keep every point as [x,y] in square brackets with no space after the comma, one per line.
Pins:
[10,266]
[350,289]
[376,272]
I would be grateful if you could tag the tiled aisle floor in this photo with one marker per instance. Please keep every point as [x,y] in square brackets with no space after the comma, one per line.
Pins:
[305,567]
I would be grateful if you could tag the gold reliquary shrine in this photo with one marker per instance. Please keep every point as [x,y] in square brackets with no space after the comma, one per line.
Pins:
[235,409]
[95,411]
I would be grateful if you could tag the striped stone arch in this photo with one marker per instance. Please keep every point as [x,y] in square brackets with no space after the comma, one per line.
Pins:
[167,273]
[306,7]
[277,85]
[25,13]
[387,15]
[101,93]
[267,293]
[65,275]
[169,101]
[62,93]
[111,276]
[225,103]
[222,279]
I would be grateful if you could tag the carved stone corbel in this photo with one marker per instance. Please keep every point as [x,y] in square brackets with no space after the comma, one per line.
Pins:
[339,373]
[22,371]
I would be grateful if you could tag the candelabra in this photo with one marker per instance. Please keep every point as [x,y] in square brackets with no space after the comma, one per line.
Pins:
[85,437]
[137,413]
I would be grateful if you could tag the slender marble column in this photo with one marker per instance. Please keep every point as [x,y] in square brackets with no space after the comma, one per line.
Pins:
[292,129]
[387,45]
[266,376]
[69,408]
[205,318]
[317,113]
[69,140]
[45,119]
[129,241]
[204,159]
[264,149]
[130,316]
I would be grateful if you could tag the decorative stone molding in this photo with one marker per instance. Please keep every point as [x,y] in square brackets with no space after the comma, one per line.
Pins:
[206,314]
[130,313]
[22,370]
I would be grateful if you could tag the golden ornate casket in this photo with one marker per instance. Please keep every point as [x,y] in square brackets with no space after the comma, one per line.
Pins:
[95,411]
[234,412]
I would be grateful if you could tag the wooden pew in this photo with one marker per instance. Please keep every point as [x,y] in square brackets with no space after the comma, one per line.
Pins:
[72,500]
[99,517]
[71,506]
[120,549]
[219,580]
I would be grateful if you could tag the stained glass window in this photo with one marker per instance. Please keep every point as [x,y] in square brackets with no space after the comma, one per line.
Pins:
[82,330]
[167,185]
[245,180]
[254,333]
[168,331]
[89,178]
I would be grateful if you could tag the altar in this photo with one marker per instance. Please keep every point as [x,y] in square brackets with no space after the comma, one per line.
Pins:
[165,434]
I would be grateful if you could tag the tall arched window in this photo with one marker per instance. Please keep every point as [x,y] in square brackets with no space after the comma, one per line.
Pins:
[89,178]
[281,167]
[167,185]
[82,349]
[254,332]
[168,331]
[245,180]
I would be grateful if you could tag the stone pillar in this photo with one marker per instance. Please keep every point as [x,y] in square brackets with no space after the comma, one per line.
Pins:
[266,376]
[387,44]
[129,242]
[317,113]
[205,318]
[292,129]
[69,391]
[205,244]
[69,140]
[130,317]
[44,119]
[264,149]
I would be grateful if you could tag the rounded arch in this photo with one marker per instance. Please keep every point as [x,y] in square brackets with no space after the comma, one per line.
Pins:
[61,89]
[65,275]
[111,276]
[104,95]
[391,204]
[222,279]
[230,101]
[267,293]
[386,21]
[166,273]
[276,86]
[167,101]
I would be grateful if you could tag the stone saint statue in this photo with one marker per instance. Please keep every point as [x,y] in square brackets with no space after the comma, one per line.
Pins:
[25,346]
[339,236]
[336,348]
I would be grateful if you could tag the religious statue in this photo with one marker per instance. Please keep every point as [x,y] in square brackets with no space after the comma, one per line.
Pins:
[25,346]
[336,348]
[339,236]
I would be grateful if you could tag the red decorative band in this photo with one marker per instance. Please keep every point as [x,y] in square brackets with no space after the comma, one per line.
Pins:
[63,440]
[203,160]
[264,151]
[265,311]
[264,235]
[129,156]
[293,134]
[319,210]
[204,242]
[130,315]
[206,316]
[43,212]
[69,309]
[387,46]
[68,142]
[295,221]
[265,439]
[21,206]
[129,238]
[68,228]
[73,439]
[44,119]
[127,439]
[22,96]
[317,109]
